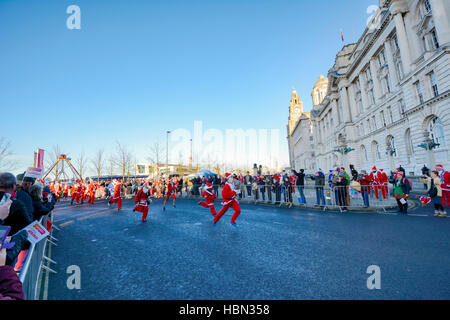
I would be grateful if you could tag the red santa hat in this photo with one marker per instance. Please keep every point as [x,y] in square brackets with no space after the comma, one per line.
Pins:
[208,186]
[439,167]
[227,175]
[381,170]
[374,168]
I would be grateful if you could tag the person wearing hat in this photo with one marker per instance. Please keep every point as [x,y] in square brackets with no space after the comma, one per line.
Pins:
[171,192]
[209,196]
[142,202]
[402,187]
[445,185]
[434,192]
[229,201]
[22,194]
[117,195]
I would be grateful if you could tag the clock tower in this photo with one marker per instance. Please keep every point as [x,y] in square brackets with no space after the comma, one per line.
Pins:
[295,111]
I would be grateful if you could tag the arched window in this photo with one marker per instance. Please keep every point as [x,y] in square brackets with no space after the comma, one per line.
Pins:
[364,156]
[390,144]
[409,145]
[376,155]
[436,130]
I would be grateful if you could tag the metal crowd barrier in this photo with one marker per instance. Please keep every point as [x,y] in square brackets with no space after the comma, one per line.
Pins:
[34,263]
[339,197]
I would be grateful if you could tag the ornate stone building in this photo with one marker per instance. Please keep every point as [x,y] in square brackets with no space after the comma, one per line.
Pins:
[388,97]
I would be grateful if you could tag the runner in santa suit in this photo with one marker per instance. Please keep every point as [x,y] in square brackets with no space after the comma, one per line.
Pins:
[384,184]
[375,178]
[209,196]
[91,192]
[73,192]
[65,191]
[142,202]
[117,195]
[445,186]
[171,192]
[229,201]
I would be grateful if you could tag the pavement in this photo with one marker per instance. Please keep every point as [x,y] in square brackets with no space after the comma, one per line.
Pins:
[275,253]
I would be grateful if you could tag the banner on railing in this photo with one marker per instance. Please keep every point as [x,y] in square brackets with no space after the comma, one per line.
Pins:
[36,232]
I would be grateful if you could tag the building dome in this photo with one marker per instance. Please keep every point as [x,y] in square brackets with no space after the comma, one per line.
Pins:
[319,90]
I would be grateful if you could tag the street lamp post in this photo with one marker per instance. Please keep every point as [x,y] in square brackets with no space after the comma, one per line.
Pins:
[167,152]
[429,145]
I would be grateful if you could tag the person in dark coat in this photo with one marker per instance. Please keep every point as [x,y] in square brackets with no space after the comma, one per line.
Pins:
[342,191]
[319,179]
[300,184]
[10,285]
[276,188]
[41,208]
[18,217]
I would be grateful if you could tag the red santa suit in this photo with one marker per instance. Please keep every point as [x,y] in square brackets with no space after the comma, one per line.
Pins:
[91,193]
[73,192]
[117,196]
[171,191]
[445,185]
[65,191]
[142,202]
[384,184]
[229,201]
[376,180]
[209,196]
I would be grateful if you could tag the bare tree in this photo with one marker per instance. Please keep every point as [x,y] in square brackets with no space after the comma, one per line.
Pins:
[111,167]
[155,156]
[98,162]
[156,153]
[80,163]
[5,154]
[122,159]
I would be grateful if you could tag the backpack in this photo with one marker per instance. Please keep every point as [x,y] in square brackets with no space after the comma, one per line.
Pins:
[433,192]
[408,185]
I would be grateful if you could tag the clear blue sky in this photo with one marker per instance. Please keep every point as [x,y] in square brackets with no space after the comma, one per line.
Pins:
[139,68]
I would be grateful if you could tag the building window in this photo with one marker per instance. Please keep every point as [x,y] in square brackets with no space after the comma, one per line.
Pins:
[409,145]
[364,157]
[419,92]
[436,130]
[381,59]
[399,69]
[372,96]
[388,86]
[383,119]
[391,145]
[376,155]
[374,122]
[391,116]
[434,86]
[402,107]
[427,6]
[397,47]
[434,39]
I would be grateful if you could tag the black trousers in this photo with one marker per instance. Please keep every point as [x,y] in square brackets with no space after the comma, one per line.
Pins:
[402,207]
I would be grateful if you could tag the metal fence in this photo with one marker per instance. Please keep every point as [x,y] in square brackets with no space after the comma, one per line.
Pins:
[34,263]
[324,197]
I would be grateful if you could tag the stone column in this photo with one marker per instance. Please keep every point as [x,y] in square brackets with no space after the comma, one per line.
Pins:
[390,60]
[376,82]
[352,98]
[397,9]
[362,83]
[441,15]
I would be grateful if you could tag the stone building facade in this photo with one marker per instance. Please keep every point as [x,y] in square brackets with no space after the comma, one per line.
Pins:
[388,97]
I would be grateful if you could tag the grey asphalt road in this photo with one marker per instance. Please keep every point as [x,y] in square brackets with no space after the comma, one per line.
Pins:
[275,253]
